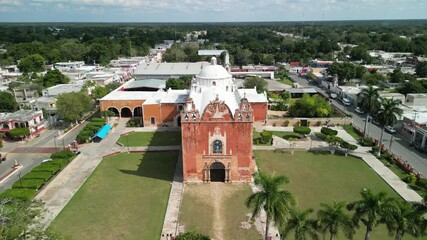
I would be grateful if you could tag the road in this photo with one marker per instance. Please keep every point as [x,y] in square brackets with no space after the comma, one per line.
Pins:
[399,146]
[32,153]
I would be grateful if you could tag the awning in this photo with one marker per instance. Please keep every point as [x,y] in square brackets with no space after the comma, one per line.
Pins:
[103,131]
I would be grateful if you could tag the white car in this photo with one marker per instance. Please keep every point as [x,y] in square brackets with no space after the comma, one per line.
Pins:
[390,129]
[358,110]
[333,95]
[346,101]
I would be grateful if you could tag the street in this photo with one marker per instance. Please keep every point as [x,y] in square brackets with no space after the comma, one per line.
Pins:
[30,154]
[399,146]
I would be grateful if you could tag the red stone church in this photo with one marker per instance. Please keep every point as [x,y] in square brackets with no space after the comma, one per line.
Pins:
[216,122]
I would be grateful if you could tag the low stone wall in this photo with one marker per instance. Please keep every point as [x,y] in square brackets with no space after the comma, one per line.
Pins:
[284,122]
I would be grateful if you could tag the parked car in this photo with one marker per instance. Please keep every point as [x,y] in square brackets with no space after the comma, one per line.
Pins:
[333,95]
[358,110]
[346,101]
[390,129]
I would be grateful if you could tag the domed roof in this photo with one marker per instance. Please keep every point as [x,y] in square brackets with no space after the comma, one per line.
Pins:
[213,71]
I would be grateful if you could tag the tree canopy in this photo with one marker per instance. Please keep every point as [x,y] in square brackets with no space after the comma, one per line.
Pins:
[182,82]
[308,106]
[32,63]
[52,78]
[7,102]
[72,106]
[257,82]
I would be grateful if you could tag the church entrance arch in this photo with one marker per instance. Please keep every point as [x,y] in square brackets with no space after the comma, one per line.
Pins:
[125,112]
[137,112]
[217,172]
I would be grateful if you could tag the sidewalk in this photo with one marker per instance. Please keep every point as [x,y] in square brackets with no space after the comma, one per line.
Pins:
[63,187]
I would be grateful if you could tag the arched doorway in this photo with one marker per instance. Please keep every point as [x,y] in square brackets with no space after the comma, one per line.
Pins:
[125,112]
[114,110]
[217,172]
[178,121]
[137,112]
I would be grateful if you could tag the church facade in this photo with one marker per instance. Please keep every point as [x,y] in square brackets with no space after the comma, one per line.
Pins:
[216,120]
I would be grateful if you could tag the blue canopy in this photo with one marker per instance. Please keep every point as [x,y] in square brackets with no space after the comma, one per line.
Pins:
[103,131]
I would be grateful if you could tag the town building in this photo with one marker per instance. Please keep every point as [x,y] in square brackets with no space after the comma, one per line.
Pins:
[212,114]
[31,119]
[167,70]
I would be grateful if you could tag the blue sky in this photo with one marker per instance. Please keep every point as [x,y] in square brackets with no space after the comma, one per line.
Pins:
[207,10]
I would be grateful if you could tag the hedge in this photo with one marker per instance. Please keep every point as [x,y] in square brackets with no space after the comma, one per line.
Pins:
[53,168]
[302,130]
[29,183]
[62,162]
[38,175]
[328,131]
[19,193]
[266,136]
[422,183]
[320,135]
[367,142]
[62,154]
[291,135]
[103,120]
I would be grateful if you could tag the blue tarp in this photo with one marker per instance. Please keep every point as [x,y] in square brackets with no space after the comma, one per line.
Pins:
[103,131]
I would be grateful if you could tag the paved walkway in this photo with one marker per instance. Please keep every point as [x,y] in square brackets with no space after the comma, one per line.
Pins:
[170,223]
[62,188]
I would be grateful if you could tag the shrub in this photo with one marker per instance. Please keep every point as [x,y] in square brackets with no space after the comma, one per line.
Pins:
[47,167]
[274,124]
[266,136]
[134,123]
[62,154]
[347,146]
[410,178]
[38,175]
[367,142]
[320,135]
[60,162]
[375,149]
[32,183]
[102,120]
[19,193]
[318,123]
[18,132]
[422,183]
[82,137]
[285,123]
[291,135]
[302,130]
[328,131]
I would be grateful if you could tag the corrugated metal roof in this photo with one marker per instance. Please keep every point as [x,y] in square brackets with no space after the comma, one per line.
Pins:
[147,83]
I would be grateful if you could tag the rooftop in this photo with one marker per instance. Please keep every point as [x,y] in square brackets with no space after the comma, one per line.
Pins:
[20,115]
[62,88]
[147,83]
[301,90]
[170,68]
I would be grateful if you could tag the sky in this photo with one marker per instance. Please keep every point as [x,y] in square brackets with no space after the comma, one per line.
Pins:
[208,10]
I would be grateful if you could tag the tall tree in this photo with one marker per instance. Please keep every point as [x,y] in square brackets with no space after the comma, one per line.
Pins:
[333,219]
[301,224]
[7,102]
[421,69]
[369,103]
[257,82]
[370,209]
[403,218]
[52,78]
[387,115]
[72,106]
[32,63]
[272,198]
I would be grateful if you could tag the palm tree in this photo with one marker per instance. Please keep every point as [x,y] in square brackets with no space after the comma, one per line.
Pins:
[369,103]
[333,219]
[387,115]
[302,225]
[369,209]
[271,198]
[403,218]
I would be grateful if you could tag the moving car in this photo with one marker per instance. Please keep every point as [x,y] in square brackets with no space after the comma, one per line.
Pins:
[390,129]
[358,110]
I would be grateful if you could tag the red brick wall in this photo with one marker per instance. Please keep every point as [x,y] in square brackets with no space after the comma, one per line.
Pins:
[260,111]
[151,110]
[119,104]
[169,112]
[195,149]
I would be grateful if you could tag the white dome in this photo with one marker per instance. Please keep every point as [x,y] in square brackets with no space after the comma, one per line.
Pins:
[213,72]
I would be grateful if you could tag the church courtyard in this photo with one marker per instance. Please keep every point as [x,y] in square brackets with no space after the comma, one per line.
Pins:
[124,198]
[218,210]
[137,139]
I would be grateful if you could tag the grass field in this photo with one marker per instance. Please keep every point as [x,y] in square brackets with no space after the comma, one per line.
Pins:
[124,198]
[218,210]
[324,178]
[350,130]
[286,81]
[138,139]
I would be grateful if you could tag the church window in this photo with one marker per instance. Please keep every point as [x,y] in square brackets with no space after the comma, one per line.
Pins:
[248,117]
[240,117]
[194,117]
[213,83]
[217,146]
[186,118]
[180,108]
[153,120]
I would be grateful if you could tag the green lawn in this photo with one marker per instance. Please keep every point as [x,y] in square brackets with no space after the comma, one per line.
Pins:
[350,130]
[286,81]
[324,178]
[218,210]
[138,139]
[124,198]
[285,134]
